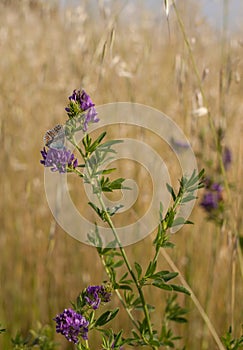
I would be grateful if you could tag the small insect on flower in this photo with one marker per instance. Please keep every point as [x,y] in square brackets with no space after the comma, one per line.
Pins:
[55,137]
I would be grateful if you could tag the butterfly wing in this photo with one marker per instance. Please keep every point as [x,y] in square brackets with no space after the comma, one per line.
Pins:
[55,138]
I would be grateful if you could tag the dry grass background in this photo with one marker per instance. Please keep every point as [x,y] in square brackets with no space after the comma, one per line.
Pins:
[45,54]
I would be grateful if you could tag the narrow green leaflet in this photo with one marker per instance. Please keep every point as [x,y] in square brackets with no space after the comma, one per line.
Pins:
[106,317]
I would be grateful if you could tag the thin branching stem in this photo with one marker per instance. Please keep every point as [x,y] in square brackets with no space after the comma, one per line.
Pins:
[119,294]
[127,263]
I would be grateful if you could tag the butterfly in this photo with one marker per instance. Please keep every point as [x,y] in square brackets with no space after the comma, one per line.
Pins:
[55,137]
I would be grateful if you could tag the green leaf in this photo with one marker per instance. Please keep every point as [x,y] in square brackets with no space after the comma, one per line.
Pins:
[232,343]
[118,340]
[106,317]
[195,178]
[101,213]
[110,143]
[164,276]
[124,287]
[95,239]
[168,245]
[106,171]
[180,289]
[112,211]
[188,199]
[96,143]
[137,302]
[151,268]
[162,285]
[2,330]
[86,142]
[118,264]
[117,184]
[179,319]
[123,277]
[181,221]
[138,269]
[178,221]
[171,191]
[161,211]
[194,188]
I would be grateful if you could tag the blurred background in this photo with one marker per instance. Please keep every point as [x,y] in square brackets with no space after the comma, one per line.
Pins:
[117,51]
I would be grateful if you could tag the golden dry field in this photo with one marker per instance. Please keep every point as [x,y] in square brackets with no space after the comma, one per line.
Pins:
[116,53]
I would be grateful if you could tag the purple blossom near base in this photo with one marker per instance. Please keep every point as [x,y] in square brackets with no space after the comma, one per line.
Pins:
[94,295]
[72,325]
[212,197]
[58,159]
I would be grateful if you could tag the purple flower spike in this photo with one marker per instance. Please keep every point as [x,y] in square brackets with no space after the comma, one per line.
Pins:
[82,109]
[58,159]
[82,99]
[227,158]
[209,201]
[72,325]
[212,197]
[85,101]
[94,295]
[90,117]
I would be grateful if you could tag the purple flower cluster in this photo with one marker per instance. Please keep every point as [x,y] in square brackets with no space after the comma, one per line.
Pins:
[58,159]
[227,158]
[82,98]
[72,325]
[94,295]
[81,102]
[212,197]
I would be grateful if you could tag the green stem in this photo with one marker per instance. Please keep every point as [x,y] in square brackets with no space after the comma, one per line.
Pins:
[177,202]
[83,345]
[73,142]
[110,223]
[139,288]
[119,295]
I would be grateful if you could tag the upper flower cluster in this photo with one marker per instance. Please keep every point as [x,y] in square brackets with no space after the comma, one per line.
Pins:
[81,108]
[94,295]
[81,112]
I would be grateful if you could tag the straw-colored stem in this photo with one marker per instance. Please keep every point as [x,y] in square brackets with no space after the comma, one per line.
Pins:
[195,301]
